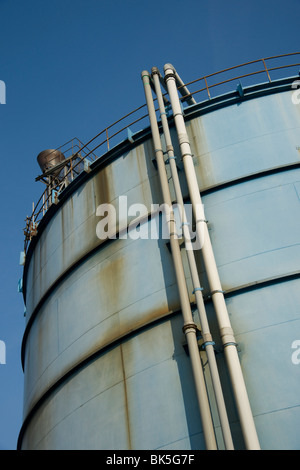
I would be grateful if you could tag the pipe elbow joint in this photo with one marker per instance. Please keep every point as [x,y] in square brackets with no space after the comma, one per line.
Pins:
[155,70]
[169,66]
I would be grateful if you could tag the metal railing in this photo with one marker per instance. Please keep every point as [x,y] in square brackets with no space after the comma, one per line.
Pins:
[78,156]
[266,67]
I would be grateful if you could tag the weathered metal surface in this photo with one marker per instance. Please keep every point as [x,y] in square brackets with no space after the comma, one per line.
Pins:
[72,231]
[139,393]
[121,416]
[114,292]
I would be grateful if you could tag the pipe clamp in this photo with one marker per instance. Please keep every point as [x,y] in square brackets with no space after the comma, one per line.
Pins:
[169,75]
[197,289]
[188,326]
[216,291]
[208,343]
[230,343]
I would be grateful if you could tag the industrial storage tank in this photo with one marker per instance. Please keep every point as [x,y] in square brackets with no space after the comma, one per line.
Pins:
[106,356]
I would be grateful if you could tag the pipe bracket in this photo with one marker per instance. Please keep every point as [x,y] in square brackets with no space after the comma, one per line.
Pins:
[188,326]
[230,343]
[179,114]
[207,343]
[217,291]
[197,289]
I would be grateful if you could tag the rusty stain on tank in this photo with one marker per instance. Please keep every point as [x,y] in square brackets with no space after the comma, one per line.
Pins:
[103,186]
[143,177]
[202,157]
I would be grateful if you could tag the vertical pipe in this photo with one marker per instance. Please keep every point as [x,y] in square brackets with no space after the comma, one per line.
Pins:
[189,327]
[208,343]
[229,344]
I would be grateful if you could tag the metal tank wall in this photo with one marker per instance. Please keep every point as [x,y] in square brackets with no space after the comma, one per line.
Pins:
[104,356]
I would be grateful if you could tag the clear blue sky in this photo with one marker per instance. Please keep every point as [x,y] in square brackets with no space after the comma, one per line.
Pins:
[71,68]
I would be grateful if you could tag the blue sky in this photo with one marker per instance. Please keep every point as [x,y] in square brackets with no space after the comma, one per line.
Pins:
[72,67]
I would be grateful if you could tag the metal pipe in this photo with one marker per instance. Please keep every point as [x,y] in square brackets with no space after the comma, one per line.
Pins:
[189,327]
[208,340]
[217,294]
[183,90]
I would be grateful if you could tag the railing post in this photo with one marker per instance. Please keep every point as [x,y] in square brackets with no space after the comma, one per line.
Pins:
[107,139]
[207,88]
[263,60]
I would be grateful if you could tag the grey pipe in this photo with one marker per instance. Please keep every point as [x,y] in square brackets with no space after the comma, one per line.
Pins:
[208,343]
[227,335]
[189,327]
